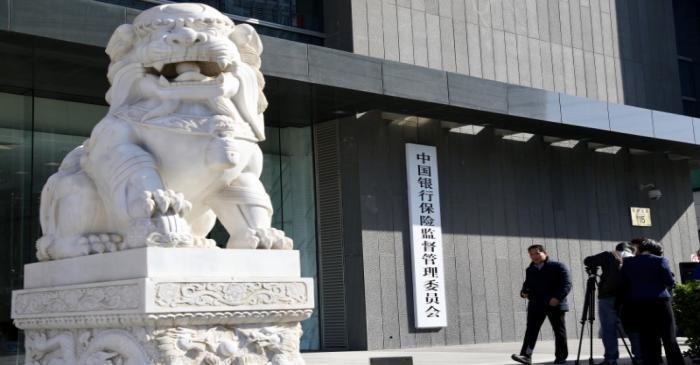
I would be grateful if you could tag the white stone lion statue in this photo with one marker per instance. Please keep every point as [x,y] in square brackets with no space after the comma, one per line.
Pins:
[178,147]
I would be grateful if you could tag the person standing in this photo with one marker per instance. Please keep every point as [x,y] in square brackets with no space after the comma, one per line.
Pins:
[608,290]
[696,273]
[696,258]
[647,279]
[547,284]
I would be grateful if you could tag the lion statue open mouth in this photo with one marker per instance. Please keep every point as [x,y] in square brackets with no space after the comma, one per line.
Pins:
[178,148]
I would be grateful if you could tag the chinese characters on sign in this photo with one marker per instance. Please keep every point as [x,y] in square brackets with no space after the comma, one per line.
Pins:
[641,217]
[426,236]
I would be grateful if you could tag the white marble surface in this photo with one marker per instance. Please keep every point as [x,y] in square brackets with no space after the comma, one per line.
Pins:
[178,148]
[100,304]
[128,275]
[193,305]
[163,263]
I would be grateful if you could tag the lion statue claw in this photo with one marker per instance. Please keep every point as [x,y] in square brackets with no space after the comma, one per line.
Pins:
[178,148]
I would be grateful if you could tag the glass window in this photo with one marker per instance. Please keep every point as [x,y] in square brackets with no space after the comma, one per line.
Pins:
[15,207]
[687,75]
[302,14]
[298,211]
[35,134]
[690,107]
[305,14]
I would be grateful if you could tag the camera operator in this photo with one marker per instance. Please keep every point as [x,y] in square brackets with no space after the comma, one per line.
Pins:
[646,280]
[608,290]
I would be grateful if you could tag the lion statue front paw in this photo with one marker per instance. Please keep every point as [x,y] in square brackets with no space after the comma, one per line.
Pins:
[262,238]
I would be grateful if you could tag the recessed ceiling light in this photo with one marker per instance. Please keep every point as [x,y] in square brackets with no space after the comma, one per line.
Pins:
[53,163]
[610,149]
[634,151]
[567,143]
[519,137]
[467,129]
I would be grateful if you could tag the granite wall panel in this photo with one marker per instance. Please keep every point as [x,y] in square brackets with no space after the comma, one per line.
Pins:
[498,197]
[634,37]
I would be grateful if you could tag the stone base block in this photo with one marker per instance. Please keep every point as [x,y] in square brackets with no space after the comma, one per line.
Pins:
[160,262]
[161,316]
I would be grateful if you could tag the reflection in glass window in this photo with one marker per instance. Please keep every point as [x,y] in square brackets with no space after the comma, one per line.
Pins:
[298,211]
[690,107]
[15,207]
[304,14]
[685,68]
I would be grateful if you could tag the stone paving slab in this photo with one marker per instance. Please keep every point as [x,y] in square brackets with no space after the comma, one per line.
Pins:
[478,354]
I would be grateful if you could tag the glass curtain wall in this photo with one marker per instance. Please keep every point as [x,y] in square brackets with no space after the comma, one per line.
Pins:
[46,114]
[301,14]
[16,223]
[289,176]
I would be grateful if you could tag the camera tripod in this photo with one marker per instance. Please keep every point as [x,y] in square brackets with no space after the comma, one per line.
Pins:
[589,316]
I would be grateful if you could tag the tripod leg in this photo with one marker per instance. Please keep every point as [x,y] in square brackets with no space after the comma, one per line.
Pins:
[591,319]
[588,315]
[621,334]
[590,338]
[580,341]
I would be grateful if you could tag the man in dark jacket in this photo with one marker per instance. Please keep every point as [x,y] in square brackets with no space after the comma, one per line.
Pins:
[608,291]
[646,279]
[547,284]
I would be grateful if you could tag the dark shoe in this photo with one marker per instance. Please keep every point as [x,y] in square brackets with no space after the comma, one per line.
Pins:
[559,361]
[523,359]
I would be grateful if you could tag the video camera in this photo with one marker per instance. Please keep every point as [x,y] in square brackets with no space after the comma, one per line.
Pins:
[592,271]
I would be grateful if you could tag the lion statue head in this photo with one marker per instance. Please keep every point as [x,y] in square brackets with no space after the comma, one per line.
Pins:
[187,59]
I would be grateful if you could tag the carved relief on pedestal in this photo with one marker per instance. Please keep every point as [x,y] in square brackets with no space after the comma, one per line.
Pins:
[249,345]
[190,345]
[230,294]
[84,347]
[115,297]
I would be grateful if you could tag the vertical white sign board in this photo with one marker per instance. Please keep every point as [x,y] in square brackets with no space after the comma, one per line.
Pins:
[426,236]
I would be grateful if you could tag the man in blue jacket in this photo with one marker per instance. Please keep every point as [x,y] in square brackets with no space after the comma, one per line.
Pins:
[547,284]
[647,279]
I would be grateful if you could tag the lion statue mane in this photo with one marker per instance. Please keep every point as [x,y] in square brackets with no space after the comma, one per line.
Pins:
[177,149]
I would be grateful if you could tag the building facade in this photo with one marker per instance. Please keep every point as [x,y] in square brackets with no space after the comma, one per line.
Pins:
[547,117]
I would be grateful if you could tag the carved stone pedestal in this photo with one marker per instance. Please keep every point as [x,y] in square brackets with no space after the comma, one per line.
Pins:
[165,306]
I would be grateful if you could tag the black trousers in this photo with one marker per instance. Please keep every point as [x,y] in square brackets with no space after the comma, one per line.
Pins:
[535,318]
[654,319]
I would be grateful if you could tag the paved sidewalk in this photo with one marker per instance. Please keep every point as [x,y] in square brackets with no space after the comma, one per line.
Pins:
[481,354]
